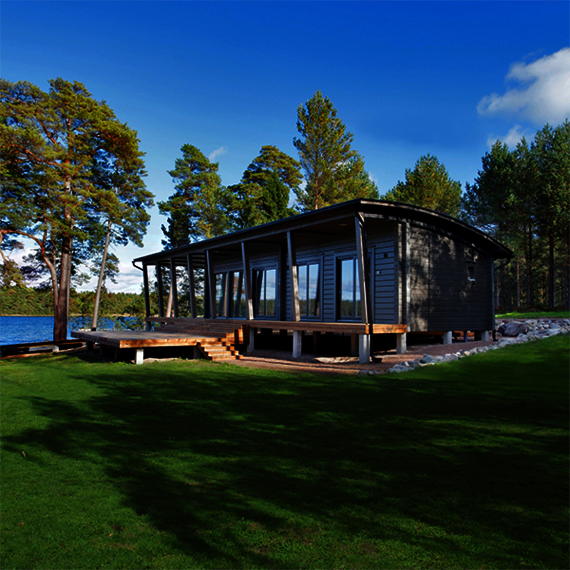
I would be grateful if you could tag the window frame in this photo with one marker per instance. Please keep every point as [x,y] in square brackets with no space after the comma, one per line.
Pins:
[256,294]
[356,301]
[307,263]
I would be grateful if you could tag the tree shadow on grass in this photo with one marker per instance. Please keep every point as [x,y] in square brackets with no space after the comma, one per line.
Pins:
[233,466]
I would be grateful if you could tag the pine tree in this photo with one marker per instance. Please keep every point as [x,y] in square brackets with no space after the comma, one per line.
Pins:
[428,185]
[263,192]
[48,144]
[333,171]
[198,208]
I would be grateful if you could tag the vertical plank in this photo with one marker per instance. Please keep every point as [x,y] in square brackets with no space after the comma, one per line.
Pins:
[406,316]
[192,286]
[293,278]
[247,282]
[211,285]
[160,290]
[146,291]
[173,286]
[361,261]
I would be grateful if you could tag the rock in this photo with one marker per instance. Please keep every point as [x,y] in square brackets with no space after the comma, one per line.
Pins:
[513,329]
[427,359]
[399,368]
[506,342]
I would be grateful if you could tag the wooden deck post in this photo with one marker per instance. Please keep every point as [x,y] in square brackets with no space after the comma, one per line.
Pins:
[297,343]
[362,262]
[293,278]
[211,289]
[192,286]
[364,348]
[160,290]
[146,295]
[247,282]
[316,341]
[401,343]
[354,344]
[139,355]
[251,339]
[174,287]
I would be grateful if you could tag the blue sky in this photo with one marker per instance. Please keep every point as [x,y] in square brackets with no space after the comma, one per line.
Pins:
[407,78]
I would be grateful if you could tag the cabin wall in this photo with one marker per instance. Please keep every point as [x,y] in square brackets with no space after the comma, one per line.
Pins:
[442,284]
[328,250]
[450,284]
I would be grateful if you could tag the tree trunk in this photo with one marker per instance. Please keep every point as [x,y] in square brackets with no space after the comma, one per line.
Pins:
[169,303]
[551,277]
[101,278]
[61,308]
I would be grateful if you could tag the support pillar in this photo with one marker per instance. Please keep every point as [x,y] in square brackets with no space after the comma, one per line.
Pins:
[251,343]
[354,344]
[401,343]
[482,335]
[139,356]
[448,337]
[465,336]
[297,343]
[316,341]
[364,349]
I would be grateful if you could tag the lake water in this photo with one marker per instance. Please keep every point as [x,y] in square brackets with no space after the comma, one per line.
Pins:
[16,330]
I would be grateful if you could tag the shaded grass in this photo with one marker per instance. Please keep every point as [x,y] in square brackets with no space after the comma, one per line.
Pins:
[199,465]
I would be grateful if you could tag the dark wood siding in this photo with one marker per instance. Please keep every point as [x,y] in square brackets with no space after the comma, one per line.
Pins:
[445,293]
[327,250]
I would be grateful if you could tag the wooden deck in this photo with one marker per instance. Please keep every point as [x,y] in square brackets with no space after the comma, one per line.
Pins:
[217,339]
[181,324]
[215,346]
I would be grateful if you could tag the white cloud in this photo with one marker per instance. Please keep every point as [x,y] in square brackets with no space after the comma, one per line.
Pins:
[218,152]
[512,138]
[543,95]
[129,280]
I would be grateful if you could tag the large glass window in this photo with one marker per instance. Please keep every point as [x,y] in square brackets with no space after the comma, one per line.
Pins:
[221,294]
[349,294]
[237,294]
[309,289]
[265,289]
[230,294]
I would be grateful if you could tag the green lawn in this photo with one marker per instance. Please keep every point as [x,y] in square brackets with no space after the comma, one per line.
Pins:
[536,315]
[188,464]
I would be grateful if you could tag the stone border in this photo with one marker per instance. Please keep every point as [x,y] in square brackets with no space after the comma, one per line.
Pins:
[531,329]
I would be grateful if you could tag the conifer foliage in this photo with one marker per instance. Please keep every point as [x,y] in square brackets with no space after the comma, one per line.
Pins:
[199,207]
[334,172]
[69,168]
[428,185]
[264,190]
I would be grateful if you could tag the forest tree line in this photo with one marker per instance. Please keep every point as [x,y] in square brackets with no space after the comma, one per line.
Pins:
[33,301]
[72,182]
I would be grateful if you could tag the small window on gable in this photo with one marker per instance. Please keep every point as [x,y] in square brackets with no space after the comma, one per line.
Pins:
[470,273]
[472,255]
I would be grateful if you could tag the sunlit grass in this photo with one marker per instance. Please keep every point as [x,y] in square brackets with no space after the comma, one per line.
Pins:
[197,465]
[536,315]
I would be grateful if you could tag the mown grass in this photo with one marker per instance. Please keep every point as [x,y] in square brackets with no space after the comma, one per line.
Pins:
[200,465]
[536,315]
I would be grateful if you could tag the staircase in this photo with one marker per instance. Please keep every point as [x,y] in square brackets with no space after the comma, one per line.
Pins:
[218,350]
[215,339]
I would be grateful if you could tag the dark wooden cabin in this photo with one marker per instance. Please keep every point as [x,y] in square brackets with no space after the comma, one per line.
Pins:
[363,267]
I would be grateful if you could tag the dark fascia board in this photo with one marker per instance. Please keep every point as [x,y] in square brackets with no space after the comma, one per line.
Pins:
[395,211]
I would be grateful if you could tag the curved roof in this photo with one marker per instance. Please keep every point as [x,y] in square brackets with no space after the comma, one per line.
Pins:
[331,217]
